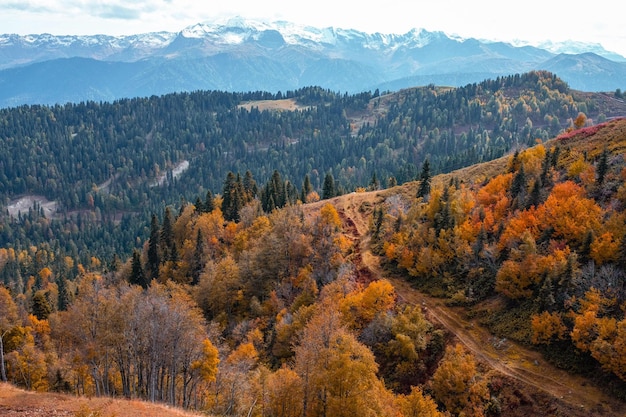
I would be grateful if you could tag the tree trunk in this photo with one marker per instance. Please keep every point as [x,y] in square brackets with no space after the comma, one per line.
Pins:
[3,372]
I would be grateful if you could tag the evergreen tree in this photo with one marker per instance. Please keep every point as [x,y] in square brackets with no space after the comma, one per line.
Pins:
[535,194]
[277,190]
[209,203]
[514,164]
[137,276]
[307,188]
[249,187]
[115,263]
[167,235]
[379,216]
[198,259]
[545,166]
[63,300]
[276,193]
[199,205]
[291,193]
[329,190]
[424,181]
[232,197]
[40,305]
[374,183]
[154,260]
[518,186]
[602,167]
[174,254]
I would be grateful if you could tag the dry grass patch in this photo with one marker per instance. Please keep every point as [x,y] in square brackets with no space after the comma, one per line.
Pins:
[15,402]
[287,104]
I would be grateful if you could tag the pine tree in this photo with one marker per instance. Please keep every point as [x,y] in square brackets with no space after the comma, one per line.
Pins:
[63,300]
[249,187]
[602,167]
[535,194]
[209,203]
[137,276]
[40,305]
[274,194]
[424,187]
[307,188]
[378,223]
[154,260]
[374,183]
[198,259]
[167,235]
[199,205]
[329,190]
[518,186]
[232,197]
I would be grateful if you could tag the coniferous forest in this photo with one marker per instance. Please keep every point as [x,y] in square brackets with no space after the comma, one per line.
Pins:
[208,252]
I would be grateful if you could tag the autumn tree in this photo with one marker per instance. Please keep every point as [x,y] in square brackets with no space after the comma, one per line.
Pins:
[360,307]
[457,385]
[547,327]
[418,404]
[8,319]
[569,213]
[284,393]
[220,290]
[28,362]
[580,120]
[338,373]
[327,244]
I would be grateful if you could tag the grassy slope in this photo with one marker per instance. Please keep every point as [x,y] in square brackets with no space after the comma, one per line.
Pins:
[16,402]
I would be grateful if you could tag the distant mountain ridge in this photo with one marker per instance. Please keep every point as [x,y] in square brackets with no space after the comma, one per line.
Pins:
[246,55]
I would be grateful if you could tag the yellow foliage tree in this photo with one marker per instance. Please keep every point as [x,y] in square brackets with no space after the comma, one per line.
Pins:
[284,394]
[418,404]
[338,373]
[457,385]
[362,306]
[569,213]
[547,327]
[207,364]
[605,248]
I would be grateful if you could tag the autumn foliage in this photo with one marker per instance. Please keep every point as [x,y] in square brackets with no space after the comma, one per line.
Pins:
[269,315]
[547,235]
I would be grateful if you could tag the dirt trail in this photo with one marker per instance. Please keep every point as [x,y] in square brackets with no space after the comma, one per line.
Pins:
[503,356]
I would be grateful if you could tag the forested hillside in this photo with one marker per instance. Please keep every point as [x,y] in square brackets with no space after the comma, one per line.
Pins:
[534,245]
[84,179]
[281,314]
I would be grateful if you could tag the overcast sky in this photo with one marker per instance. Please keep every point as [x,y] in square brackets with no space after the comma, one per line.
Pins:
[529,20]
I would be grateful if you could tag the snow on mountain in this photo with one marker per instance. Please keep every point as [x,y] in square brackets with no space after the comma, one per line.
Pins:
[216,35]
[571,47]
[247,55]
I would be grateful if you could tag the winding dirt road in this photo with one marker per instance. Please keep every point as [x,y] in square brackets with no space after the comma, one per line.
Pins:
[578,395]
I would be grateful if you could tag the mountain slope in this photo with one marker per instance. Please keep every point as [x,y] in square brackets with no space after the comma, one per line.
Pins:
[555,388]
[588,71]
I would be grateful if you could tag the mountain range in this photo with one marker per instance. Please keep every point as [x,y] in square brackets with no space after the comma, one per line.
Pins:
[245,55]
